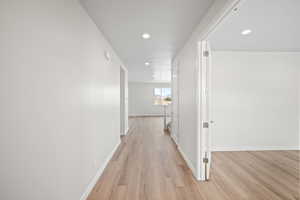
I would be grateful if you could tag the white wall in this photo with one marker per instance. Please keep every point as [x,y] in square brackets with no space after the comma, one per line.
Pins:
[187,108]
[299,106]
[255,100]
[141,98]
[59,118]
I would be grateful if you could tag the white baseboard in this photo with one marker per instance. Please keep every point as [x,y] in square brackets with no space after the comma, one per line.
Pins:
[98,174]
[125,133]
[147,115]
[253,148]
[188,161]
[174,139]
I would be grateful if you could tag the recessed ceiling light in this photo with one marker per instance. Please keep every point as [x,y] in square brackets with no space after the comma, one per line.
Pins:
[246,32]
[147,63]
[146,36]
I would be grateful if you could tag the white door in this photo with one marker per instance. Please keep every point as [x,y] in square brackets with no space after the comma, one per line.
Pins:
[204,110]
[175,103]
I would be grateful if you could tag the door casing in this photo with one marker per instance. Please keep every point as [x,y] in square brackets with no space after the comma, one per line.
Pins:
[203,91]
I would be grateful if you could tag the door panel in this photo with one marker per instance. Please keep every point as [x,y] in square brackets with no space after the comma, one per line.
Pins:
[204,123]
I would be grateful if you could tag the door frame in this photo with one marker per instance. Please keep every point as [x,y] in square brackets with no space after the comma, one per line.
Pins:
[124,127]
[175,103]
[204,55]
[203,141]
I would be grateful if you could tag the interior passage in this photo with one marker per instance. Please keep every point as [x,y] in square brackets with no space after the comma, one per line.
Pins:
[148,166]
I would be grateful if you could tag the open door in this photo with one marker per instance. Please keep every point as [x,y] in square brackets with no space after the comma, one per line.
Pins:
[204,143]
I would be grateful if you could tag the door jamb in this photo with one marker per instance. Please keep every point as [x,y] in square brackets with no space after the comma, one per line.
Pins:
[125,109]
[204,36]
[176,138]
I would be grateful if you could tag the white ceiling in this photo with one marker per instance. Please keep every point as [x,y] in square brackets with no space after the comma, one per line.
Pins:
[275,26]
[170,23]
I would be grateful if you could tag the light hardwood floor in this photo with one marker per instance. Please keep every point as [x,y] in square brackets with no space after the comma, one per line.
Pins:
[147,166]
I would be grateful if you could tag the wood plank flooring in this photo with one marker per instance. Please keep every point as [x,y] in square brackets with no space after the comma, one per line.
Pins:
[147,166]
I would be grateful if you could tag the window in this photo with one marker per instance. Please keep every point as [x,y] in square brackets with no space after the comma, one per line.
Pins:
[166,92]
[162,93]
[162,96]
[157,92]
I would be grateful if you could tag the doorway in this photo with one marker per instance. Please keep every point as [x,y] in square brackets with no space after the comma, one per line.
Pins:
[204,118]
[253,95]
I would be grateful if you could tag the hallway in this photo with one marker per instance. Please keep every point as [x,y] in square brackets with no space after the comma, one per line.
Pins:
[85,85]
[147,166]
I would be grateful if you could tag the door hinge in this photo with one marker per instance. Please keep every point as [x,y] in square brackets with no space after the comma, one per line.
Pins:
[205,161]
[205,125]
[205,53]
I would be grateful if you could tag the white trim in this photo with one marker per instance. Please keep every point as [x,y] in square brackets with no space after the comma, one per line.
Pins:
[126,130]
[188,161]
[92,184]
[123,99]
[174,138]
[130,81]
[148,115]
[175,102]
[256,148]
[124,68]
[208,25]
[203,97]
[125,133]
[256,51]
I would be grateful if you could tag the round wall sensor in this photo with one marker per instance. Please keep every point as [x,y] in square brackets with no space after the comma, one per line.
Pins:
[107,56]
